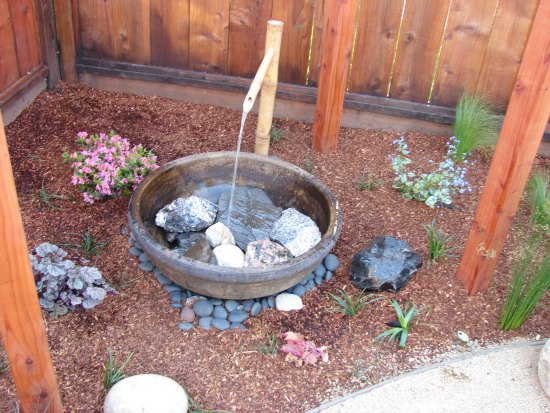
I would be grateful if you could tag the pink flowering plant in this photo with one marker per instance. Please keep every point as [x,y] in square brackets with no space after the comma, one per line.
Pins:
[108,166]
[302,352]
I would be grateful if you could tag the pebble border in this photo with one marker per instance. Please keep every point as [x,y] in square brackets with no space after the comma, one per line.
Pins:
[225,314]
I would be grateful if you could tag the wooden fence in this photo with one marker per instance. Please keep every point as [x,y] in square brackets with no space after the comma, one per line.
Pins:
[424,51]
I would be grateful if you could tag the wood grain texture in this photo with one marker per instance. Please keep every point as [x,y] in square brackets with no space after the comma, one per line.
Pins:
[95,40]
[418,49]
[170,33]
[9,66]
[46,26]
[65,36]
[523,127]
[464,47]
[23,15]
[247,28]
[378,26]
[21,325]
[315,62]
[337,42]
[209,35]
[297,15]
[505,49]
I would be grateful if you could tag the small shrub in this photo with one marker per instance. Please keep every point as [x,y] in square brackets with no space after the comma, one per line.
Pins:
[438,243]
[308,165]
[368,183]
[122,283]
[349,305]
[107,166]
[476,125]
[88,244]
[276,135]
[400,329]
[539,195]
[434,188]
[47,199]
[113,373]
[300,351]
[62,285]
[271,347]
[530,279]
[195,408]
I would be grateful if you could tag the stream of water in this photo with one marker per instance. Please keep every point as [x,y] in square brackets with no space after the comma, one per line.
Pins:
[230,206]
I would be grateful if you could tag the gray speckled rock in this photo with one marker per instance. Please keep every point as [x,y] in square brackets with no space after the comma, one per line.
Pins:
[296,231]
[220,323]
[265,252]
[146,266]
[231,305]
[386,263]
[203,308]
[186,240]
[186,326]
[544,368]
[252,216]
[237,316]
[187,214]
[255,309]
[205,322]
[219,312]
[331,262]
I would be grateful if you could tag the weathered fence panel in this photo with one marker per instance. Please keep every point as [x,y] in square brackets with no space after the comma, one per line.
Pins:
[170,33]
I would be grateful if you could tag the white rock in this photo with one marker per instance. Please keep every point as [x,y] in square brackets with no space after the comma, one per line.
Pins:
[544,368]
[219,234]
[229,256]
[288,302]
[146,393]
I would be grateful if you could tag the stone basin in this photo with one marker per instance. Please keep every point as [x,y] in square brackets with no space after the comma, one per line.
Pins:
[287,186]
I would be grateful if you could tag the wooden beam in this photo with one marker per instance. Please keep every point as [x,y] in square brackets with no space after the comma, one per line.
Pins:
[44,12]
[21,325]
[524,124]
[65,35]
[336,47]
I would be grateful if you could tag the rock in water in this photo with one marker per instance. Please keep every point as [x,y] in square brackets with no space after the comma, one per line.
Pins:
[186,240]
[544,368]
[386,263]
[219,234]
[252,216]
[187,214]
[200,250]
[229,256]
[265,252]
[288,302]
[146,393]
[296,231]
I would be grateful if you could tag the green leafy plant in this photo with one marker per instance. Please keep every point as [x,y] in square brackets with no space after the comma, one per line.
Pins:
[539,194]
[113,373]
[47,199]
[349,305]
[271,346]
[368,183]
[438,243]
[476,125]
[435,188]
[88,244]
[530,279]
[195,408]
[308,165]
[401,327]
[121,283]
[277,134]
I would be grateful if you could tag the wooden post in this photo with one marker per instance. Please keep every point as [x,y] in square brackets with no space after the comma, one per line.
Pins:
[44,12]
[521,133]
[65,37]
[269,88]
[21,325]
[337,40]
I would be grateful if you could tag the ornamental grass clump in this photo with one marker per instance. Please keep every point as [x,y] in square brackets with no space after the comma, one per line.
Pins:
[107,166]
[539,195]
[62,285]
[476,125]
[435,188]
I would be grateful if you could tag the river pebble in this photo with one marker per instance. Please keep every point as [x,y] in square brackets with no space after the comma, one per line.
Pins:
[205,322]
[237,326]
[319,271]
[231,305]
[237,316]
[331,262]
[186,326]
[170,288]
[146,266]
[203,308]
[136,252]
[299,290]
[255,309]
[247,305]
[187,315]
[219,312]
[220,323]
[143,257]
[271,301]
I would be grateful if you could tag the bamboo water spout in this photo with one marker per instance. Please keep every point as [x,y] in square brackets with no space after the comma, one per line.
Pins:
[266,80]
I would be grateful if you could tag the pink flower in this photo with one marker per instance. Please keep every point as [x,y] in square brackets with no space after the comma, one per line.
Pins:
[82,134]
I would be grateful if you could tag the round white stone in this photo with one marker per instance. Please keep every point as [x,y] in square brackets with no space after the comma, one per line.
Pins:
[288,302]
[219,234]
[229,256]
[146,393]
[544,368]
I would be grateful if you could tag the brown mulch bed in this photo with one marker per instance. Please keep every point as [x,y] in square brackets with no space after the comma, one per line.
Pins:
[226,370]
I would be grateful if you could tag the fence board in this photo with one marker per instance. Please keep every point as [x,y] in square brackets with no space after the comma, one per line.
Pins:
[131,20]
[95,39]
[209,35]
[170,33]
[9,68]
[247,28]
[418,49]
[297,16]
[463,49]
[318,24]
[374,48]
[26,34]
[506,44]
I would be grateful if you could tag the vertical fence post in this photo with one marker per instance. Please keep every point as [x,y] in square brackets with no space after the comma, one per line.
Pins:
[269,88]
[521,133]
[337,40]
[21,325]
[65,36]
